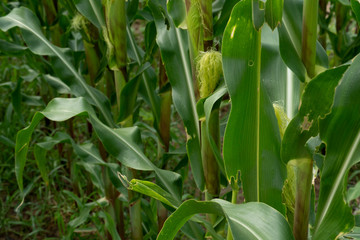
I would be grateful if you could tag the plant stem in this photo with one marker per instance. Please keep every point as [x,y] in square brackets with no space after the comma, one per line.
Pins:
[341,12]
[309,35]
[120,81]
[135,211]
[207,18]
[322,15]
[211,168]
[164,129]
[233,200]
[303,180]
[116,28]
[92,61]
[196,37]
[162,215]
[119,210]
[165,113]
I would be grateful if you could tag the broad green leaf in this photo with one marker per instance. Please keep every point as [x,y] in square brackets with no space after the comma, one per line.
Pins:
[208,107]
[273,12]
[258,14]
[174,52]
[290,39]
[340,131]
[31,31]
[316,102]
[123,143]
[247,221]
[56,83]
[355,5]
[252,138]
[131,9]
[177,9]
[280,84]
[226,9]
[149,189]
[92,10]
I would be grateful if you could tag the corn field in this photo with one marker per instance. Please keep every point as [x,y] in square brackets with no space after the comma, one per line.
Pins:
[180,119]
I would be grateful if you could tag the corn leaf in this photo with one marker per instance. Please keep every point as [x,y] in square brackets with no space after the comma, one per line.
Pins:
[209,104]
[174,52]
[247,221]
[282,89]
[316,103]
[355,5]
[252,138]
[273,12]
[92,10]
[123,143]
[340,131]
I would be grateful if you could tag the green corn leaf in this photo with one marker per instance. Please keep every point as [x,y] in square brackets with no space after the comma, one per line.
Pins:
[31,31]
[247,221]
[284,90]
[177,9]
[220,24]
[355,5]
[273,12]
[150,189]
[57,84]
[123,143]
[316,103]
[92,10]
[258,14]
[252,138]
[340,131]
[208,107]
[174,51]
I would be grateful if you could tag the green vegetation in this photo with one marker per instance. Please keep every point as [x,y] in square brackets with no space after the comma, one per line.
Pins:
[185,119]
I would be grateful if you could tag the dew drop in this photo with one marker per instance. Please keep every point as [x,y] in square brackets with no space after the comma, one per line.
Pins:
[251,63]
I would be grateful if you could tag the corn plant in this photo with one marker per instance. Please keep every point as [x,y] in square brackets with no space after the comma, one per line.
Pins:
[268,97]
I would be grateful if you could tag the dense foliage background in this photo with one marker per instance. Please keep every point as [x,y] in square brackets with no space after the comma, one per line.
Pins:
[129,93]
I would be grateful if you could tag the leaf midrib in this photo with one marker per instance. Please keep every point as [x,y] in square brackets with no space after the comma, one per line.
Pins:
[188,81]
